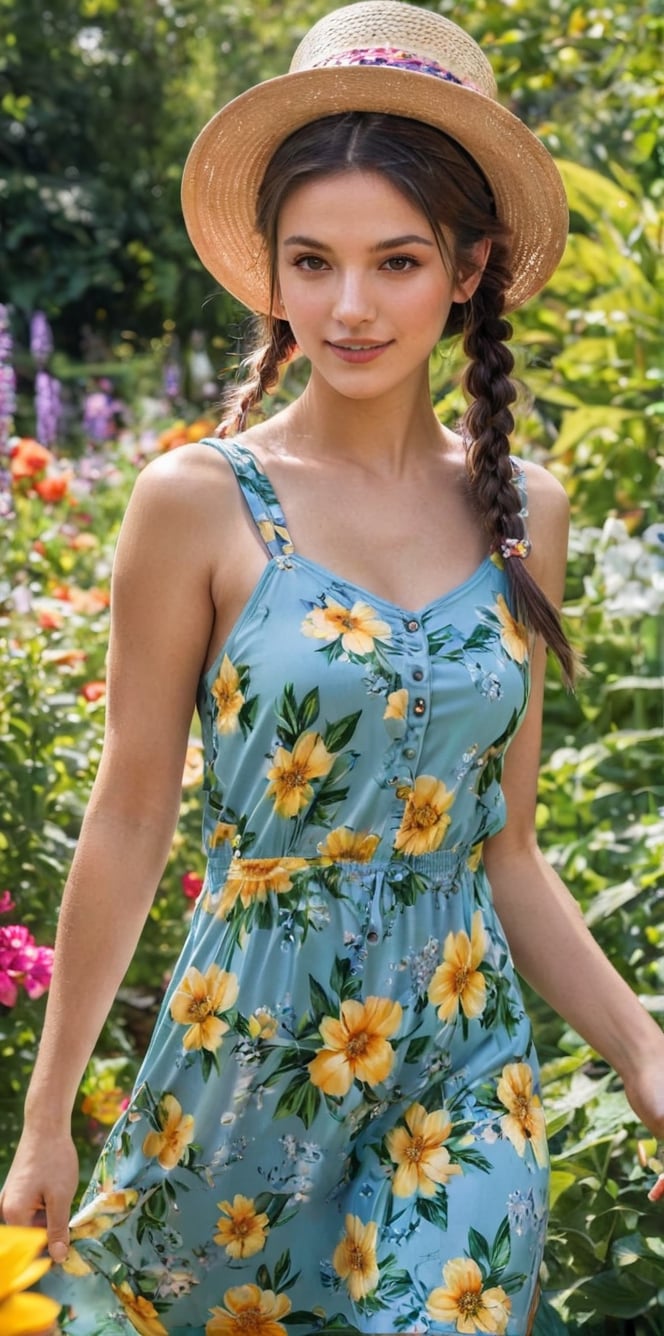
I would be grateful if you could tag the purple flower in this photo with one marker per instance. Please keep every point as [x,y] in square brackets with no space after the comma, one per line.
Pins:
[98,419]
[47,407]
[7,381]
[41,338]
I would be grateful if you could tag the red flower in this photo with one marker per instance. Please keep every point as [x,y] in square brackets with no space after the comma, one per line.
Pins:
[49,621]
[94,690]
[28,457]
[53,488]
[192,885]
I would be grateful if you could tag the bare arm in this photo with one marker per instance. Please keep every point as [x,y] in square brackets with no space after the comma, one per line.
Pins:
[550,942]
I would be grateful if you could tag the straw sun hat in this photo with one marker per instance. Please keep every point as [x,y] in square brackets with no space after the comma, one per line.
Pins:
[375,56]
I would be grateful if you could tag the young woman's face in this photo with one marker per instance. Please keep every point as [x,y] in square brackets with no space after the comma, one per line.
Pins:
[362,282]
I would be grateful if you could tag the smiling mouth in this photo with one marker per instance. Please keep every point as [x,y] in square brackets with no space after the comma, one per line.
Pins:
[358,347]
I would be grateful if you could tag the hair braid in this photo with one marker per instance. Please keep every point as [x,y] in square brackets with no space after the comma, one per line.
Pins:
[488,422]
[275,346]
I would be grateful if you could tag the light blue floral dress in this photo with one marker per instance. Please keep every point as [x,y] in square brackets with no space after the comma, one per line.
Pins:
[336,1127]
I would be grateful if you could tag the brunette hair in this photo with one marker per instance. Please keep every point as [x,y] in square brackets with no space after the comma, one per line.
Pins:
[446,185]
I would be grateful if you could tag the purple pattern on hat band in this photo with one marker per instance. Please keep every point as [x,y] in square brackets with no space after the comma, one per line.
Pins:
[395,59]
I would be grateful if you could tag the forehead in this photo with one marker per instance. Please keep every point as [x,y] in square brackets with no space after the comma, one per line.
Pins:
[359,201]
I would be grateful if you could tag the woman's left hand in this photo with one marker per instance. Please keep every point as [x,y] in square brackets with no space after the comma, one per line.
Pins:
[644,1087]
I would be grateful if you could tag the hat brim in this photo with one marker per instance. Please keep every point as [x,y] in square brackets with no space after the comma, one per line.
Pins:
[228,160]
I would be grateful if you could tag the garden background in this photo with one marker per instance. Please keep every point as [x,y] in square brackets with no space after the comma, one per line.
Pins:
[100,100]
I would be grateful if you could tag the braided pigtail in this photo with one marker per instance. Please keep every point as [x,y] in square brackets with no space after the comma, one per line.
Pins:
[275,344]
[488,422]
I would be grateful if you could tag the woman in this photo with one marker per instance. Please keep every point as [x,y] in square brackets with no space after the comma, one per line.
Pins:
[337,1124]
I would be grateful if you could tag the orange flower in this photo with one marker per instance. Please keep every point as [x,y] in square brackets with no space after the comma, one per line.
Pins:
[346,845]
[142,1314]
[53,488]
[177,1130]
[425,819]
[229,698]
[198,1000]
[356,1046]
[94,691]
[249,1311]
[243,1234]
[513,635]
[524,1124]
[358,626]
[419,1151]
[457,979]
[464,1302]
[291,773]
[28,458]
[253,878]
[354,1258]
[49,621]
[105,1106]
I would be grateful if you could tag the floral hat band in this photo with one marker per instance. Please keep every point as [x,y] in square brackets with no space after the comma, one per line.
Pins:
[394,59]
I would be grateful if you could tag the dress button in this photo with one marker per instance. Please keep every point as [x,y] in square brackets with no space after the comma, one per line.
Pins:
[419,706]
[418,674]
[372,936]
[412,624]
[410,753]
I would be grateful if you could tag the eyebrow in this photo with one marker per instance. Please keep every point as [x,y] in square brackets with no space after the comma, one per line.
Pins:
[411,239]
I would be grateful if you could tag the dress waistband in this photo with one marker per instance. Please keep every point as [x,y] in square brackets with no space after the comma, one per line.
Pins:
[444,866]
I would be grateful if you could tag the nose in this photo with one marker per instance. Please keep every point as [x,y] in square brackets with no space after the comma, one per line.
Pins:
[353,304]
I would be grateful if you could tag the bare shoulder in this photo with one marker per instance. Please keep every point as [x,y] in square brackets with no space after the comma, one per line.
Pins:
[192,475]
[548,527]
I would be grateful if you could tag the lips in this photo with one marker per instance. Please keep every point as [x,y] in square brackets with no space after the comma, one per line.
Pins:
[358,353]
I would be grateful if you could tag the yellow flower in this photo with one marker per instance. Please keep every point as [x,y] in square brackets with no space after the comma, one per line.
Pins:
[425,819]
[20,1266]
[249,1311]
[224,831]
[105,1106]
[356,1046]
[76,1265]
[513,635]
[177,1130]
[465,1302]
[346,845]
[420,1153]
[358,626]
[524,1123]
[196,1002]
[251,879]
[245,1231]
[229,698]
[475,857]
[397,704]
[262,1024]
[292,772]
[354,1258]
[96,1218]
[141,1313]
[457,979]
[193,766]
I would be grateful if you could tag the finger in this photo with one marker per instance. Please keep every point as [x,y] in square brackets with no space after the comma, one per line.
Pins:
[57,1224]
[657,1192]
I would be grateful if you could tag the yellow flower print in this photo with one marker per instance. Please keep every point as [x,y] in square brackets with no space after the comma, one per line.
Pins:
[524,1124]
[262,1024]
[457,979]
[249,1311]
[229,698]
[251,879]
[96,1218]
[475,857]
[269,530]
[357,627]
[291,773]
[420,1152]
[75,1265]
[177,1130]
[464,1302]
[513,634]
[425,819]
[356,1045]
[20,1267]
[346,845]
[224,832]
[196,1003]
[141,1313]
[397,704]
[244,1232]
[354,1259]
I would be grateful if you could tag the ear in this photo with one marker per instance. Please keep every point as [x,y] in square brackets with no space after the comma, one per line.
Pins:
[468,283]
[278,307]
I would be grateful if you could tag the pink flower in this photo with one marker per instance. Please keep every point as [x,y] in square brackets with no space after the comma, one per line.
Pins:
[24,963]
[192,885]
[6,902]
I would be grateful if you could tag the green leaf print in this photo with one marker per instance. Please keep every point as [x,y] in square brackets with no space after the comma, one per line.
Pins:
[338,735]
[293,719]
[434,1209]
[501,1251]
[342,981]
[320,1002]
[300,1098]
[479,1250]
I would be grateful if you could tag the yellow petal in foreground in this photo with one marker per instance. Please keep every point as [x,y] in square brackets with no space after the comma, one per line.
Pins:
[356,1045]
[463,1301]
[249,1311]
[21,1266]
[291,773]
[141,1312]
[354,1259]
[177,1130]
[513,634]
[245,1230]
[458,980]
[196,1003]
[419,1151]
[76,1265]
[425,819]
[228,697]
[346,845]
[525,1123]
[357,627]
